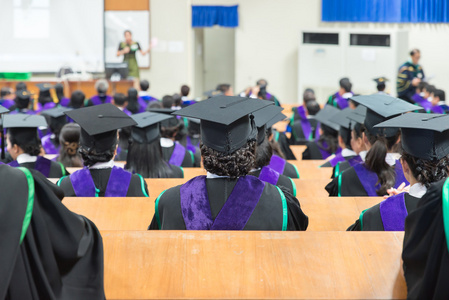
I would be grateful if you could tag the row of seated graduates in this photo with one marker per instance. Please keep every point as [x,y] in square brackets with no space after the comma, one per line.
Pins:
[396,125]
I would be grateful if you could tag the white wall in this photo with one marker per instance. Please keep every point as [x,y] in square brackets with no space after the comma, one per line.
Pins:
[267,41]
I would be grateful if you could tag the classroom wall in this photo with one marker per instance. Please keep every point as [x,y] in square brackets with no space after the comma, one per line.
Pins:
[266,44]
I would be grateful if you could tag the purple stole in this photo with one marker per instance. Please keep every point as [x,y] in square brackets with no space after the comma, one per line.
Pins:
[269,175]
[355,160]
[84,185]
[127,112]
[341,102]
[393,212]
[301,112]
[190,146]
[369,178]
[7,103]
[42,165]
[46,106]
[48,146]
[64,102]
[142,105]
[437,109]
[325,154]
[177,156]
[97,101]
[338,158]
[234,214]
[26,112]
[426,105]
[417,98]
[277,163]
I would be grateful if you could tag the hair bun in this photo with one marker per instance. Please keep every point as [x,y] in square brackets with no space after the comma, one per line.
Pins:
[71,148]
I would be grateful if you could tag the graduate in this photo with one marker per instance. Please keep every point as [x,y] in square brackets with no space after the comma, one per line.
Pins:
[381,170]
[380,85]
[102,97]
[120,101]
[344,139]
[438,102]
[227,198]
[56,119]
[145,151]
[77,99]
[69,139]
[173,151]
[135,104]
[143,93]
[357,118]
[24,145]
[264,119]
[47,252]
[22,104]
[340,98]
[59,90]
[425,253]
[306,128]
[418,97]
[327,144]
[425,160]
[45,100]
[6,97]
[98,146]
[185,91]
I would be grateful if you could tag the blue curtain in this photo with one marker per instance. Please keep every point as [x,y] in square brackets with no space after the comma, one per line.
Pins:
[208,16]
[385,11]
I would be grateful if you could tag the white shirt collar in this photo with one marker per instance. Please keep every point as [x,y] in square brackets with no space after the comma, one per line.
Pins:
[417,190]
[391,158]
[166,143]
[347,95]
[184,98]
[25,158]
[212,176]
[362,154]
[176,107]
[143,93]
[103,165]
[347,152]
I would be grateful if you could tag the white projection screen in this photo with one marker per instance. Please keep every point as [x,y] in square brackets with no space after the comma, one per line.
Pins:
[45,35]
[116,22]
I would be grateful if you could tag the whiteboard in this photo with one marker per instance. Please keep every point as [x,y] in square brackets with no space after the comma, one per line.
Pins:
[116,22]
[45,35]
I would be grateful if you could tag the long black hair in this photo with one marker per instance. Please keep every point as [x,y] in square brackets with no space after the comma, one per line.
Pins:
[329,137]
[59,89]
[69,139]
[375,160]
[133,104]
[147,160]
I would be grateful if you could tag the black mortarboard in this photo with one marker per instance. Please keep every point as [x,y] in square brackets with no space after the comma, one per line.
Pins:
[147,129]
[168,122]
[56,112]
[381,108]
[358,114]
[194,125]
[341,118]
[324,117]
[44,87]
[24,127]
[2,111]
[226,124]
[380,80]
[279,117]
[424,136]
[99,125]
[23,95]
[262,117]
[56,117]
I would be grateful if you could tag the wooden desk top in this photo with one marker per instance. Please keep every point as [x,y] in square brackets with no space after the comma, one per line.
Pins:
[325,214]
[253,265]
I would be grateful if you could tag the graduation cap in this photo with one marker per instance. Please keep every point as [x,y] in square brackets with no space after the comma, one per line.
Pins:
[262,117]
[341,118]
[381,108]
[226,124]
[24,127]
[358,114]
[168,122]
[194,124]
[324,117]
[425,136]
[44,87]
[56,117]
[147,129]
[380,80]
[99,125]
[279,117]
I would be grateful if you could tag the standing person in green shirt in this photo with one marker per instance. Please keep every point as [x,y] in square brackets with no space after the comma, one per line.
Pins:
[128,49]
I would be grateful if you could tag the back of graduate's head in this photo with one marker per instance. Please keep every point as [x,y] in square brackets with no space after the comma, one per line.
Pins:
[440,94]
[185,90]
[312,107]
[344,138]
[5,91]
[329,138]
[345,84]
[120,100]
[421,86]
[429,90]
[69,139]
[59,89]
[99,148]
[24,140]
[262,82]
[167,101]
[22,99]
[102,86]
[177,100]
[146,159]
[77,99]
[308,95]
[225,89]
[21,86]
[132,103]
[144,85]
[381,86]
[171,128]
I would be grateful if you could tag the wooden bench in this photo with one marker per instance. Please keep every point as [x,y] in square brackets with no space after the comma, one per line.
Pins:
[253,265]
[325,214]
[298,150]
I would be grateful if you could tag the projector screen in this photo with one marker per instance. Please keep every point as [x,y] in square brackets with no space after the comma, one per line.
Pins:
[45,35]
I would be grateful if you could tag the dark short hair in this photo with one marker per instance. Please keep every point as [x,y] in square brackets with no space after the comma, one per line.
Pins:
[262,82]
[308,95]
[312,107]
[224,87]
[119,99]
[127,30]
[167,101]
[144,85]
[346,84]
[440,94]
[5,91]
[185,90]
[77,99]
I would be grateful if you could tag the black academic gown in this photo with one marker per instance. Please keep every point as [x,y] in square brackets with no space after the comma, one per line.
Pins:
[372,220]
[342,166]
[284,144]
[191,160]
[425,253]
[137,186]
[57,170]
[267,214]
[61,255]
[297,134]
[283,181]
[312,151]
[328,164]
